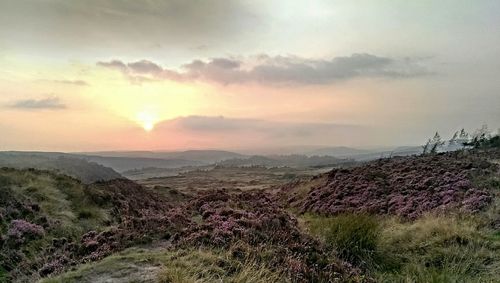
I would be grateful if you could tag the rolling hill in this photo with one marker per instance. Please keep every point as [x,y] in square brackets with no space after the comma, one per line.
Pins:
[84,170]
[202,156]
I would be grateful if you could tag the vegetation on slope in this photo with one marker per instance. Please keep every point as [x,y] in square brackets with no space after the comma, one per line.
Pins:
[440,245]
[84,170]
[168,266]
[40,210]
[52,222]
[403,186]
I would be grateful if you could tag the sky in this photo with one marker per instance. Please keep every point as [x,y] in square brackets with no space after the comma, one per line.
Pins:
[175,74]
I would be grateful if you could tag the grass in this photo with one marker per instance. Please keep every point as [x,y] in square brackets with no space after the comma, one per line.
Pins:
[3,275]
[62,201]
[446,248]
[434,248]
[165,266]
[61,198]
[353,236]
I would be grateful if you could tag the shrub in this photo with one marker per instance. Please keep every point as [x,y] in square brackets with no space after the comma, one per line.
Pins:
[20,231]
[353,236]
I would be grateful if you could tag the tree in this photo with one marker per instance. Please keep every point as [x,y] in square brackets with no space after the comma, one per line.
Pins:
[433,144]
[463,137]
[426,146]
[480,137]
[436,143]
[453,140]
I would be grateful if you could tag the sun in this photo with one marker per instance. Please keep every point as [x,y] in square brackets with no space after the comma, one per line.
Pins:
[148,126]
[147,120]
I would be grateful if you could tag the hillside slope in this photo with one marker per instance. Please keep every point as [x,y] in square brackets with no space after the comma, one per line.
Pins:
[79,168]
[403,186]
[51,222]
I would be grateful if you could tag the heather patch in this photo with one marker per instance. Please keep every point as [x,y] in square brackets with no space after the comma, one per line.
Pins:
[402,186]
[21,231]
[255,226]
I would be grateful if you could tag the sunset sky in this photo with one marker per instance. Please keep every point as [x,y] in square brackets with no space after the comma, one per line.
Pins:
[169,75]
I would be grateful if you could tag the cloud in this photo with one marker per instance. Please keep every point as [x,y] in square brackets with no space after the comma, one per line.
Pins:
[144,67]
[277,70]
[121,24]
[275,131]
[114,64]
[72,82]
[51,103]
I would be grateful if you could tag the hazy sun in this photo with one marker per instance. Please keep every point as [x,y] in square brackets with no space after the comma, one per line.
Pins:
[147,120]
[148,126]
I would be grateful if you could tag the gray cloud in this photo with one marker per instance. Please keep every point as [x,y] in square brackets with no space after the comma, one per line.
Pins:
[277,70]
[39,104]
[144,67]
[126,24]
[114,64]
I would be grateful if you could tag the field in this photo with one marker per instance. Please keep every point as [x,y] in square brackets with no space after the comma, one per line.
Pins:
[231,177]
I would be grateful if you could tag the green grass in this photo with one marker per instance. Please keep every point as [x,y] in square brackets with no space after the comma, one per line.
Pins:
[61,198]
[434,248]
[3,275]
[448,248]
[165,266]
[353,236]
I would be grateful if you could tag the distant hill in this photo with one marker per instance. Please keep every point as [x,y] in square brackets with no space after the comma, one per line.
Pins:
[202,156]
[121,164]
[365,154]
[399,151]
[84,170]
[209,156]
[338,151]
[294,160]
[118,164]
